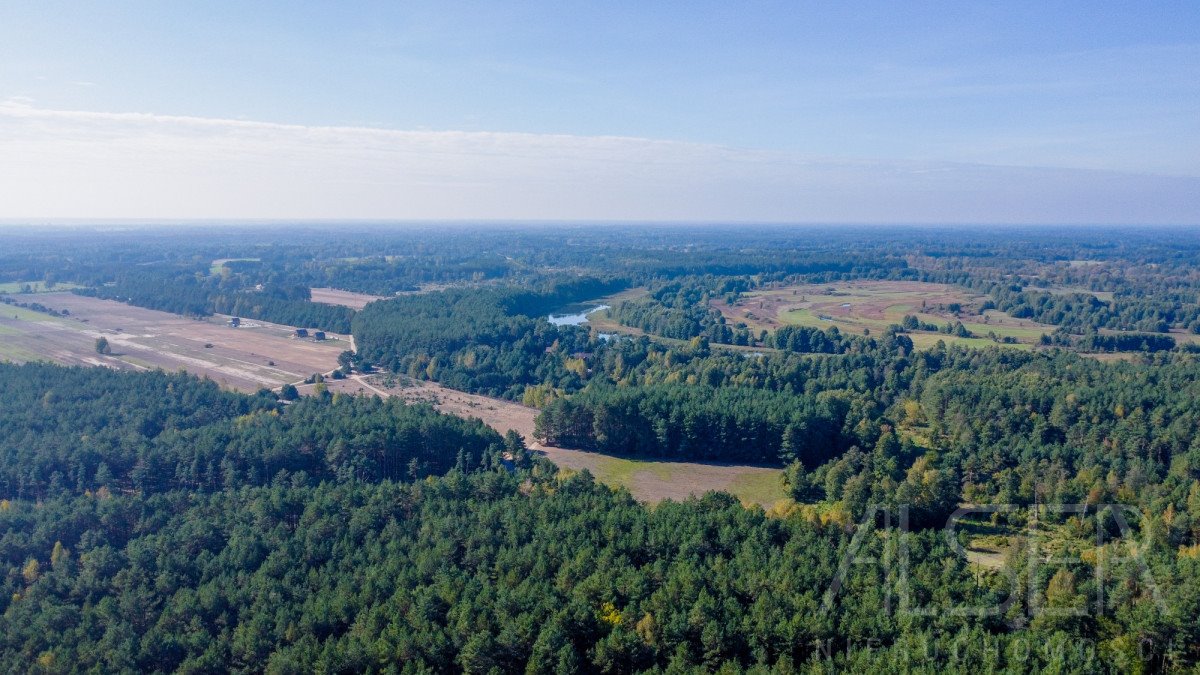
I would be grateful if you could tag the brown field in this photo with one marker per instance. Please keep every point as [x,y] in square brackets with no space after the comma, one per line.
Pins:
[857,306]
[145,339]
[333,296]
[647,481]
[868,301]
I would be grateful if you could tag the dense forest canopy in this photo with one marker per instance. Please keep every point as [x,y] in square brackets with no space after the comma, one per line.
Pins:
[155,522]
[330,565]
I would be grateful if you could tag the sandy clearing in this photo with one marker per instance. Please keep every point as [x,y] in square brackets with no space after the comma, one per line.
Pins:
[334,296]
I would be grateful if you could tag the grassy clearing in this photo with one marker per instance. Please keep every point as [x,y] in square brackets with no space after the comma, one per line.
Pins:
[653,481]
[621,471]
[14,287]
[135,361]
[857,307]
[23,314]
[921,339]
[627,294]
[219,264]
[758,488]
[13,352]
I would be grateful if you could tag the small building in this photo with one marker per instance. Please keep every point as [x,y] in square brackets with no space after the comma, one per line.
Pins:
[301,332]
[319,335]
[235,321]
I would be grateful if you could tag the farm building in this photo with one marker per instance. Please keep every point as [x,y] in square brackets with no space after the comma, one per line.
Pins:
[235,321]
[301,332]
[319,335]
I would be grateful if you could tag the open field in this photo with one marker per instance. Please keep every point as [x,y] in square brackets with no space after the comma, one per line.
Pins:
[875,305]
[648,481]
[333,296]
[219,263]
[627,294]
[1103,296]
[14,287]
[140,338]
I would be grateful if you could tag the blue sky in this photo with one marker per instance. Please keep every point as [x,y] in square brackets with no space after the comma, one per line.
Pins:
[867,111]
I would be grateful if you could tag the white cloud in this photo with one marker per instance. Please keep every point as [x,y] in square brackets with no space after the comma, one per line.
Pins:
[73,164]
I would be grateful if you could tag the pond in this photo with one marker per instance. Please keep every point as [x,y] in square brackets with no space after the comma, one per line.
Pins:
[573,315]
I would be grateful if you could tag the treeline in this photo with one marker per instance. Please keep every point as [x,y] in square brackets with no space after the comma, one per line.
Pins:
[192,294]
[301,313]
[957,329]
[1084,311]
[1126,342]
[495,342]
[33,306]
[1091,341]
[74,430]
[679,309]
[808,340]
[688,423]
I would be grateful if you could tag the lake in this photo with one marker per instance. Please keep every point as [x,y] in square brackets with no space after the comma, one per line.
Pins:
[573,315]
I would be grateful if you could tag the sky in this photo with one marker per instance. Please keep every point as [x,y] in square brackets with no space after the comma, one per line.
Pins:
[1014,112]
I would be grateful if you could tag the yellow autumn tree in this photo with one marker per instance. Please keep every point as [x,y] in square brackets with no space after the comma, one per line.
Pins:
[31,571]
[59,554]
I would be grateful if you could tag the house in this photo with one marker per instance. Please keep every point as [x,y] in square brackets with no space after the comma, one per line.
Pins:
[319,335]
[235,321]
[301,332]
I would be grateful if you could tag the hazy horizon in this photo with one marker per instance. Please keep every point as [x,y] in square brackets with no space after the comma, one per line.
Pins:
[1084,114]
